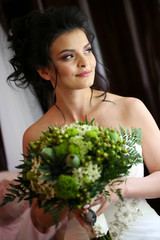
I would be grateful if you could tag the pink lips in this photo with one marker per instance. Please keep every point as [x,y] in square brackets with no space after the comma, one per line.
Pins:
[84,74]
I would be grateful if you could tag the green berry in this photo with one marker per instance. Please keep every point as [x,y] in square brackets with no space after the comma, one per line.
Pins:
[79,206]
[87,180]
[65,135]
[124,163]
[86,164]
[99,152]
[85,190]
[124,150]
[105,155]
[100,128]
[88,158]
[99,160]
[82,160]
[33,145]
[78,195]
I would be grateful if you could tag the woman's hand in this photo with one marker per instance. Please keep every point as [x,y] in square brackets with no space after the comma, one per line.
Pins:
[105,202]
[102,200]
[79,215]
[43,221]
[112,196]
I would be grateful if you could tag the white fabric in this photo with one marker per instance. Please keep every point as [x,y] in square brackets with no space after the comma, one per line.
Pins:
[19,108]
[132,219]
[23,229]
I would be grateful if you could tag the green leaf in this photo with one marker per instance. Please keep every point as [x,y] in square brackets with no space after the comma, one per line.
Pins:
[122,131]
[86,120]
[54,210]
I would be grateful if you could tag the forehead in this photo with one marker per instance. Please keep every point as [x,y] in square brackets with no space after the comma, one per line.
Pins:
[69,40]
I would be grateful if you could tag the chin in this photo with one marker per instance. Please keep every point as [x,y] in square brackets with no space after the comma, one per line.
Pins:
[86,86]
[89,83]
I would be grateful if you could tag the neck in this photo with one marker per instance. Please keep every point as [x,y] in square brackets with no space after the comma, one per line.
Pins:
[75,104]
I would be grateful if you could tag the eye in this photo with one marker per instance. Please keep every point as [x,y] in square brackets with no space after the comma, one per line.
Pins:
[67,57]
[88,50]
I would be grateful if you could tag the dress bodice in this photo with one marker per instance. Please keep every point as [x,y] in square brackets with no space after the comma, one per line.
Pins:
[137,170]
[124,216]
[131,219]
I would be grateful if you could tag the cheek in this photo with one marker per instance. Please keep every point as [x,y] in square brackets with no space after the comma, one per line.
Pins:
[65,71]
[93,62]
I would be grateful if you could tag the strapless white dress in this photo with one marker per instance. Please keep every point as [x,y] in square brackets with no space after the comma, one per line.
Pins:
[132,219]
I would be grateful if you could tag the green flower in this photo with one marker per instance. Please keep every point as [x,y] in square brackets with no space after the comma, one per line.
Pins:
[91,134]
[87,174]
[61,150]
[74,149]
[72,132]
[66,187]
[84,146]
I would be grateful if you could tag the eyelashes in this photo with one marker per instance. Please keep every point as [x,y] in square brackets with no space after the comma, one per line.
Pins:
[72,55]
[67,57]
[89,50]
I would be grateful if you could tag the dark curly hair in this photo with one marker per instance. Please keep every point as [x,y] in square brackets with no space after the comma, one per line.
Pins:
[31,37]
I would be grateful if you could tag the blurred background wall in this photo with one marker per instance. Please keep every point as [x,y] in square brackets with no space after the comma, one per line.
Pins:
[127,43]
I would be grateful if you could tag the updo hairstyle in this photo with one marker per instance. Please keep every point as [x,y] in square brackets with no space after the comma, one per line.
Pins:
[31,38]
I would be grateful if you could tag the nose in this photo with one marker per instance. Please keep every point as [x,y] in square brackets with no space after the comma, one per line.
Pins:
[82,62]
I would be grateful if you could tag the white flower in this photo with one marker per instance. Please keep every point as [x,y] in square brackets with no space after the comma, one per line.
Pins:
[91,173]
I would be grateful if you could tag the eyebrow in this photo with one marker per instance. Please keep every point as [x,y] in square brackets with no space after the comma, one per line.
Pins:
[72,50]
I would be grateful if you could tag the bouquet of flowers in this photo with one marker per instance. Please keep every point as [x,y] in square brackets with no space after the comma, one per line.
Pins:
[71,166]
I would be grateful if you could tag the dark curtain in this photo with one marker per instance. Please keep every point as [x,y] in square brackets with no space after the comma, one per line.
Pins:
[128,76]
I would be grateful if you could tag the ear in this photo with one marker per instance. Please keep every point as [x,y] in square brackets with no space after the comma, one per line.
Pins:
[44,73]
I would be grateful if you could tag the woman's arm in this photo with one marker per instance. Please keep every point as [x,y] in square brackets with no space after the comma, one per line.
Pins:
[146,187]
[43,221]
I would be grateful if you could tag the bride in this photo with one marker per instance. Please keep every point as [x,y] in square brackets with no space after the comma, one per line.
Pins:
[53,50]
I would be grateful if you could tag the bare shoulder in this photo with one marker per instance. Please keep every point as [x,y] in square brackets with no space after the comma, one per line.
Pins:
[130,107]
[125,101]
[34,132]
[132,111]
[133,105]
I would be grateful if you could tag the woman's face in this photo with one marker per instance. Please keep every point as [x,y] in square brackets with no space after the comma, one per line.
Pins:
[75,63]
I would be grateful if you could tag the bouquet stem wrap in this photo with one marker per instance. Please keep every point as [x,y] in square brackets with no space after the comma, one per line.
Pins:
[98,228]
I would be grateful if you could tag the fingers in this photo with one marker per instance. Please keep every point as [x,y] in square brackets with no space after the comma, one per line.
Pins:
[99,200]
[78,214]
[80,219]
[75,210]
[103,202]
[102,208]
